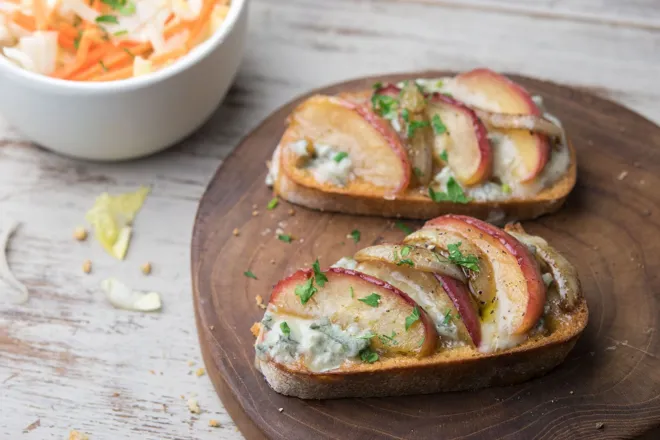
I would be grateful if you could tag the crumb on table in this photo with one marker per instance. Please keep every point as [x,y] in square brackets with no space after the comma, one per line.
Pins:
[255,329]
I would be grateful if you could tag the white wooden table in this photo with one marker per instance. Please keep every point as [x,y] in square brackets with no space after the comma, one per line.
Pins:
[71,361]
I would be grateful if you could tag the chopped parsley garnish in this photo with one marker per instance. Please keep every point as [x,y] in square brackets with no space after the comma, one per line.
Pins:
[249,274]
[406,261]
[105,69]
[285,238]
[128,51]
[456,256]
[422,341]
[306,291]
[352,292]
[447,319]
[418,172]
[405,251]
[124,7]
[415,125]
[367,335]
[405,115]
[384,105]
[355,235]
[444,156]
[285,328]
[372,300]
[412,318]
[107,19]
[454,193]
[368,356]
[388,340]
[377,85]
[438,126]
[273,203]
[404,227]
[319,276]
[506,189]
[120,33]
[76,41]
[340,156]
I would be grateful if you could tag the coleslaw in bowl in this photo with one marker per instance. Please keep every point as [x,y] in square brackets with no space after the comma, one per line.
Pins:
[132,116]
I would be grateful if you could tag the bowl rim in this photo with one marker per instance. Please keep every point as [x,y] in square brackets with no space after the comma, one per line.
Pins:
[194,56]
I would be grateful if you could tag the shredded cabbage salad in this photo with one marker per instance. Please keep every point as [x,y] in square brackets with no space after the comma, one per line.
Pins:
[104,40]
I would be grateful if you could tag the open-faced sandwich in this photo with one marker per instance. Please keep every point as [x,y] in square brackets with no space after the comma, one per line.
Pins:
[459,304]
[475,144]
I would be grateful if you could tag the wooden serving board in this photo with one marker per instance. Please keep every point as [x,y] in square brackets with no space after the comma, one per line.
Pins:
[609,387]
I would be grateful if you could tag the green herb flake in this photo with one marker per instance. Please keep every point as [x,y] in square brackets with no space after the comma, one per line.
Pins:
[405,251]
[418,172]
[444,156]
[128,51]
[377,85]
[105,69]
[120,33]
[422,341]
[285,328]
[438,126]
[406,262]
[306,291]
[405,115]
[367,335]
[454,193]
[447,319]
[272,204]
[412,318]
[372,300]
[285,238]
[384,105]
[388,340]
[369,356]
[249,274]
[352,292]
[414,126]
[340,156]
[404,227]
[129,9]
[319,276]
[107,19]
[76,41]
[456,256]
[506,189]
[355,235]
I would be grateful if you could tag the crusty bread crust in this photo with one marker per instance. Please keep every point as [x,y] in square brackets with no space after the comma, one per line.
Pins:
[451,370]
[415,205]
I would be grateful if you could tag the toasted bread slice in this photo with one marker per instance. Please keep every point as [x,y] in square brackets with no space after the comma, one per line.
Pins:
[452,340]
[454,370]
[414,204]
[484,148]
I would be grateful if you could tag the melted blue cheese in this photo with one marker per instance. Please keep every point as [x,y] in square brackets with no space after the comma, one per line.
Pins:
[346,263]
[319,344]
[324,162]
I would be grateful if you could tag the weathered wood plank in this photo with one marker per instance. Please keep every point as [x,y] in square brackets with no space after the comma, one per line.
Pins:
[65,353]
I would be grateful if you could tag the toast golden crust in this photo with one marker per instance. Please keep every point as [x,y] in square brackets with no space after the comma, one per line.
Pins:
[414,205]
[453,370]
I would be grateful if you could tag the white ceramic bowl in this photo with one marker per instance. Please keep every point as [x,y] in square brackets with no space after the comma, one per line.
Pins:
[126,119]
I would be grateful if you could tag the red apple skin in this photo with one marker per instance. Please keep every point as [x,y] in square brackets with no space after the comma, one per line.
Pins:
[388,89]
[462,298]
[512,99]
[431,336]
[385,129]
[535,292]
[484,149]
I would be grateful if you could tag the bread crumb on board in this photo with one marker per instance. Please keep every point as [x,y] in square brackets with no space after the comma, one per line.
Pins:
[214,423]
[80,233]
[193,406]
[260,301]
[200,372]
[236,232]
[77,435]
[87,266]
[622,175]
[255,329]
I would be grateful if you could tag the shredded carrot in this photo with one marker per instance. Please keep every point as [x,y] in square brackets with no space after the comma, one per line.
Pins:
[40,11]
[167,56]
[24,21]
[115,60]
[123,73]
[200,22]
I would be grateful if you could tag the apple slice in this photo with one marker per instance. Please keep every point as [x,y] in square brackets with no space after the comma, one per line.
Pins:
[469,152]
[481,282]
[467,309]
[352,129]
[520,292]
[418,132]
[564,274]
[413,256]
[505,96]
[426,290]
[339,300]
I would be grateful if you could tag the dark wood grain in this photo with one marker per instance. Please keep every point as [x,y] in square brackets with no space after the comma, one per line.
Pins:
[610,228]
